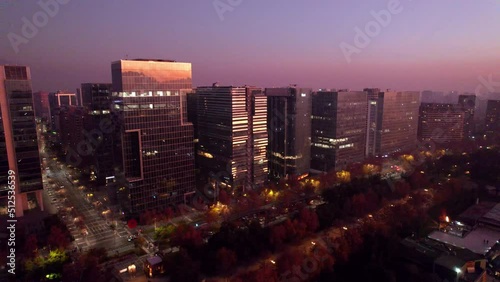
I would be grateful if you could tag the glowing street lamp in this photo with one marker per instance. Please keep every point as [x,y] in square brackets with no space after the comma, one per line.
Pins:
[458,271]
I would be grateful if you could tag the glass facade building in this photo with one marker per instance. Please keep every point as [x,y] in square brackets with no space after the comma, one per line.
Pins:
[392,121]
[154,152]
[289,129]
[232,133]
[441,123]
[96,100]
[338,125]
[18,138]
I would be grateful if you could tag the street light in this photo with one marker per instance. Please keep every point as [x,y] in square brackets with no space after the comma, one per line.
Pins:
[458,271]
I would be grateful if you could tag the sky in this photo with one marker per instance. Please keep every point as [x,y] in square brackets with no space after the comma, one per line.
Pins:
[415,45]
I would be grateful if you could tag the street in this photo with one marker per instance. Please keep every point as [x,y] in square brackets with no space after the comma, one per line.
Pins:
[61,194]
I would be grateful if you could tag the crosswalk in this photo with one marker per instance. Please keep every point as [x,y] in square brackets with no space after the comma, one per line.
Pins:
[99,230]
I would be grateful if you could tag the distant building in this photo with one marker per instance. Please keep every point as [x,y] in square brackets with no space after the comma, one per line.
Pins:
[18,142]
[56,101]
[42,106]
[493,117]
[289,129]
[468,104]
[72,124]
[155,153]
[232,136]
[96,101]
[65,99]
[436,260]
[192,117]
[392,121]
[441,123]
[338,136]
[429,96]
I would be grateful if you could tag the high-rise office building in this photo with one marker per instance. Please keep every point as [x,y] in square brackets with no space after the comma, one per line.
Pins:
[56,101]
[338,125]
[96,100]
[492,123]
[441,123]
[289,129]
[72,124]
[392,121]
[96,97]
[155,142]
[232,136]
[18,141]
[468,104]
[42,106]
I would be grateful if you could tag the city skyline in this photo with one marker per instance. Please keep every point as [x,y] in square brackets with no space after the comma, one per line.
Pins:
[266,45]
[238,140]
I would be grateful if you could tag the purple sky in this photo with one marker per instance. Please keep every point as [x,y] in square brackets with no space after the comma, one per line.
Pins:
[442,45]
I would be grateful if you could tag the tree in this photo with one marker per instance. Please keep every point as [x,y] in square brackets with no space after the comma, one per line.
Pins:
[226,259]
[71,272]
[266,274]
[224,197]
[288,260]
[99,253]
[184,268]
[359,205]
[31,246]
[372,200]
[277,236]
[341,250]
[58,238]
[310,218]
[169,213]
[402,189]
[418,179]
[187,236]
[309,189]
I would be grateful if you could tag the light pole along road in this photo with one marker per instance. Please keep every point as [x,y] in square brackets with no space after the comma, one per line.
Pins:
[100,234]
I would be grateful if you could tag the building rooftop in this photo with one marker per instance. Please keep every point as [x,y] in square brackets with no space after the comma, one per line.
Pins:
[475,212]
[154,260]
[152,60]
[492,217]
[473,241]
[450,262]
